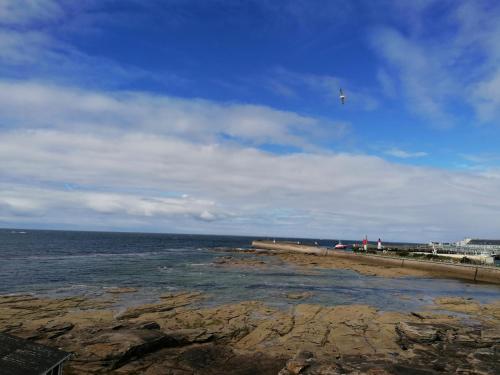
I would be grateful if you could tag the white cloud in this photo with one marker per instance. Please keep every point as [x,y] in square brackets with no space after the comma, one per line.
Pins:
[487,97]
[444,70]
[26,200]
[481,157]
[22,47]
[22,12]
[405,154]
[122,163]
[425,83]
[34,42]
[195,119]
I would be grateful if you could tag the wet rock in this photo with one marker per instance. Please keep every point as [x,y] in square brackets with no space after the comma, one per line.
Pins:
[253,338]
[458,304]
[56,329]
[190,336]
[418,315]
[169,302]
[221,359]
[10,327]
[439,365]
[205,357]
[410,370]
[239,262]
[223,260]
[115,348]
[120,290]
[324,370]
[116,327]
[486,354]
[135,312]
[182,297]
[150,325]
[16,298]
[302,295]
[299,362]
[357,264]
[491,335]
[417,332]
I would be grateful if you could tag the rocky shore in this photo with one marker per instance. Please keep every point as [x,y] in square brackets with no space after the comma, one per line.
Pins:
[379,264]
[177,335]
[262,259]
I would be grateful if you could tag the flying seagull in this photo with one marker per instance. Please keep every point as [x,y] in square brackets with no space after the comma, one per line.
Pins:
[342,96]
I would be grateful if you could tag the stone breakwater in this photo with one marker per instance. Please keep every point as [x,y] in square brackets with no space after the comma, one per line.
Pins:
[430,268]
[177,336]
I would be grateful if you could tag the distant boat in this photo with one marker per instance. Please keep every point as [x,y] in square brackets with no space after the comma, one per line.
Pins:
[340,246]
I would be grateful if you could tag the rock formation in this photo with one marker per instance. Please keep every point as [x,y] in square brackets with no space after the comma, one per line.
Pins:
[180,335]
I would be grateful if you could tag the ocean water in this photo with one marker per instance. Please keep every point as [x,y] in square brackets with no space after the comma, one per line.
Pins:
[64,263]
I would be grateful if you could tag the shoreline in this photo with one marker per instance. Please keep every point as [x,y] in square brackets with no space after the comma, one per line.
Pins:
[184,332]
[371,263]
[175,334]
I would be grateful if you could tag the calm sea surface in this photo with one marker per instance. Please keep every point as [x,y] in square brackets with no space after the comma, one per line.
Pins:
[62,263]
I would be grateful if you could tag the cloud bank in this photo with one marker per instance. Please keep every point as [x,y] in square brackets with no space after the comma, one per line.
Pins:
[78,152]
[128,160]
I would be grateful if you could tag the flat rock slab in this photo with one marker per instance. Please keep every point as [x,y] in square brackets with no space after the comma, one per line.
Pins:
[418,332]
[177,336]
[168,302]
[120,290]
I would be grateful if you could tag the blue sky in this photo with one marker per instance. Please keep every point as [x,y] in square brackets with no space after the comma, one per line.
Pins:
[223,117]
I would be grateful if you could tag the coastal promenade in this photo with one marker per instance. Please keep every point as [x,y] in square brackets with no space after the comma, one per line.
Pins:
[477,273]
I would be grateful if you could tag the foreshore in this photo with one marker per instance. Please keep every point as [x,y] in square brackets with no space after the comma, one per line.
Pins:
[378,264]
[180,333]
[177,336]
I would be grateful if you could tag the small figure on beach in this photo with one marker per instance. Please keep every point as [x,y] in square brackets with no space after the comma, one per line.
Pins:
[379,244]
[342,96]
[365,243]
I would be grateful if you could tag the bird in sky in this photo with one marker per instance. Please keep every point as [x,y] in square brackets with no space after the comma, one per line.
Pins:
[342,96]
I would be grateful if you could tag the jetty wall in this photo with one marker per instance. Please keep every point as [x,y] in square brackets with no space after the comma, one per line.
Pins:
[461,271]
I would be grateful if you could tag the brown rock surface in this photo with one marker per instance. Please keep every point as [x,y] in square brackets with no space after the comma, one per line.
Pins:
[302,295]
[115,290]
[357,264]
[311,262]
[176,336]
[168,302]
[240,262]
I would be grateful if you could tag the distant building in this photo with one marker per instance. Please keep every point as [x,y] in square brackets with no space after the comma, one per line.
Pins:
[480,246]
[469,246]
[473,242]
[22,357]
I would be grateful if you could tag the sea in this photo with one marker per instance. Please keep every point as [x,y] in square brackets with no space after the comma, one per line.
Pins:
[69,263]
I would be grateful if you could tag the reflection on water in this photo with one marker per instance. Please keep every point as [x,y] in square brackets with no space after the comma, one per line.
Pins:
[63,263]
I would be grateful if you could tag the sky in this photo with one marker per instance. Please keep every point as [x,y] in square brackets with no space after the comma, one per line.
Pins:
[223,117]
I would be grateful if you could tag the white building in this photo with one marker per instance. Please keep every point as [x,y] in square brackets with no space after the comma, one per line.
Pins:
[480,246]
[468,246]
